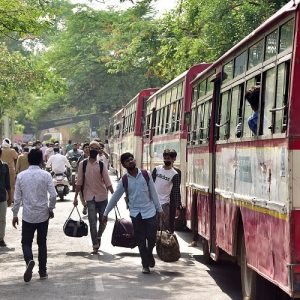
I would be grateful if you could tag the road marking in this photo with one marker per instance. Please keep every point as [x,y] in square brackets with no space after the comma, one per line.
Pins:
[99,284]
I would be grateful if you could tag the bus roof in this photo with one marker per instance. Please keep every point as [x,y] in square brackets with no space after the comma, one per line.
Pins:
[289,7]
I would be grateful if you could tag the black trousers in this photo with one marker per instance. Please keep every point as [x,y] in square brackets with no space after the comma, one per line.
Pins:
[28,230]
[145,235]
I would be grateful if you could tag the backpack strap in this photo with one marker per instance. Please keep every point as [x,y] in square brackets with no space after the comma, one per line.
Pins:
[146,176]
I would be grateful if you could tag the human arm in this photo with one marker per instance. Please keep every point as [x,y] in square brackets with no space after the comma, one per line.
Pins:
[48,164]
[79,183]
[17,201]
[18,165]
[52,193]
[113,200]
[154,196]
[7,186]
[67,163]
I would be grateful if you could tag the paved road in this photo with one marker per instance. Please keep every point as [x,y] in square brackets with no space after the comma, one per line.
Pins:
[115,273]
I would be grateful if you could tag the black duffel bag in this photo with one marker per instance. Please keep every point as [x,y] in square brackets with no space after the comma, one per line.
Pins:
[75,228]
[123,234]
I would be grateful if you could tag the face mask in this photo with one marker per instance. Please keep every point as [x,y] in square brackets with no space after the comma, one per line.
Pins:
[167,163]
[93,153]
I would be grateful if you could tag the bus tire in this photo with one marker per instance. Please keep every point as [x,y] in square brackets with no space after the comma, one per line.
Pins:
[206,254]
[248,276]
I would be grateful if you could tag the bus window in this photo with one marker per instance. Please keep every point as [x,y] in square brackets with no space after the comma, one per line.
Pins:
[202,88]
[162,119]
[210,84]
[227,72]
[193,126]
[286,35]
[200,125]
[256,54]
[268,101]
[167,120]
[271,45]
[178,115]
[240,64]
[223,116]
[173,116]
[206,120]
[158,121]
[235,112]
[195,93]
[174,93]
[280,111]
[180,90]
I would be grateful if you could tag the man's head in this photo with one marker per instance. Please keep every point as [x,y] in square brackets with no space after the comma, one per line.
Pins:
[6,143]
[38,144]
[69,142]
[168,157]
[252,96]
[75,146]
[35,157]
[94,149]
[86,148]
[128,161]
[56,149]
[26,149]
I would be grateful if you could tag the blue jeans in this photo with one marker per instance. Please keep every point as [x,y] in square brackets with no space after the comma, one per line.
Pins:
[145,235]
[95,208]
[28,230]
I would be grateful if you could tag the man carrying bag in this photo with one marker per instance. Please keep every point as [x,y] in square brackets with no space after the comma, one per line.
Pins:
[143,205]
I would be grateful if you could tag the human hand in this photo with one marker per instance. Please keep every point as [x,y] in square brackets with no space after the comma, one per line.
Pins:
[9,202]
[104,220]
[161,215]
[51,214]
[15,222]
[75,202]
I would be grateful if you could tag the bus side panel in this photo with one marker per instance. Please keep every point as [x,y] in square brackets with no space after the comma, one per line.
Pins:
[226,214]
[203,213]
[189,213]
[267,243]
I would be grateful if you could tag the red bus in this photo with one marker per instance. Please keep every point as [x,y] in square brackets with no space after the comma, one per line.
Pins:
[243,191]
[115,141]
[129,133]
[165,125]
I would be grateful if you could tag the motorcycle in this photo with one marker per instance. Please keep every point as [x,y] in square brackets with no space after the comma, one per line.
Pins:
[61,184]
[72,177]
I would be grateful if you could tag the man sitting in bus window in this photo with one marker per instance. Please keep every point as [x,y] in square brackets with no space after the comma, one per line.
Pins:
[252,96]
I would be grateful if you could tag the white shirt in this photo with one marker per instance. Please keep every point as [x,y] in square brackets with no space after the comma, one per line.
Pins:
[32,188]
[58,163]
[163,183]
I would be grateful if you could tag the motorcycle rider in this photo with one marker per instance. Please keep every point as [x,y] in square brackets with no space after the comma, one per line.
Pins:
[74,153]
[58,162]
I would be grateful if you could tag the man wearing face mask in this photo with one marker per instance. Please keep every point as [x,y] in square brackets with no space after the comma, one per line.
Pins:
[94,182]
[167,184]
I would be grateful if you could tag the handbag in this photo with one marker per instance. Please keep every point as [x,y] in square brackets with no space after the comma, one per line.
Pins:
[123,234]
[167,246]
[180,220]
[75,228]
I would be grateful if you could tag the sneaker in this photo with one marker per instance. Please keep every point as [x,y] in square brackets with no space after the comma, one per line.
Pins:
[151,261]
[28,273]
[2,243]
[146,270]
[84,211]
[43,276]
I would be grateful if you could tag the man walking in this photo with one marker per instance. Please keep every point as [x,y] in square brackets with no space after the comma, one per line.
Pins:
[167,184]
[22,162]
[94,181]
[32,188]
[143,205]
[4,201]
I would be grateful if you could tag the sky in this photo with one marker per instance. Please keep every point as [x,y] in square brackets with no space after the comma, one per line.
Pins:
[161,6]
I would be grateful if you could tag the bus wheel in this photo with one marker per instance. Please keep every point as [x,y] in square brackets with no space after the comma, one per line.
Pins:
[206,255]
[248,276]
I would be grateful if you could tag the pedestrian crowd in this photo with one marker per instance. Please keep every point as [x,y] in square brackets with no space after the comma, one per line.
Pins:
[152,198]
